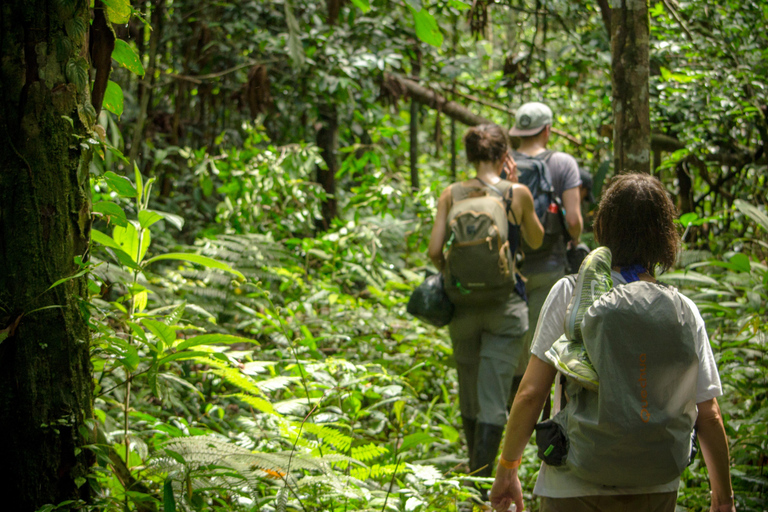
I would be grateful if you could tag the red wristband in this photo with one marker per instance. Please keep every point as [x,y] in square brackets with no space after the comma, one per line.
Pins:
[510,465]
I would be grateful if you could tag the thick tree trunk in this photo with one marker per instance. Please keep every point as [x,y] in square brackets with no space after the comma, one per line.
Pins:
[630,34]
[45,377]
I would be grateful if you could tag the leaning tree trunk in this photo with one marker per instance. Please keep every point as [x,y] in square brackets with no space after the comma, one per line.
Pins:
[630,33]
[45,377]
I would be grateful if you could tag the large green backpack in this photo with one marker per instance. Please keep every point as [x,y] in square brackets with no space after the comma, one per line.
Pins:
[637,430]
[479,264]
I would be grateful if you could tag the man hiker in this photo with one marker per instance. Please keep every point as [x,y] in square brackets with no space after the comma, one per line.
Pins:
[543,267]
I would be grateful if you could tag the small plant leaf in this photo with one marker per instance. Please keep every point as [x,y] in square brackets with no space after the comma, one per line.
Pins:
[113,98]
[426,28]
[198,259]
[113,211]
[118,11]
[126,57]
[120,184]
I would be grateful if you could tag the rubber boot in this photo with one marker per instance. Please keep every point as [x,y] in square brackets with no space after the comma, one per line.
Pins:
[487,440]
[469,431]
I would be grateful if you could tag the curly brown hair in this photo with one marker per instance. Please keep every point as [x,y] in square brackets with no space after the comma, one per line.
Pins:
[485,143]
[635,220]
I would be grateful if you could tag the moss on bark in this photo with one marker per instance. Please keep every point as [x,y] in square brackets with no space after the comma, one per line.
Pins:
[45,377]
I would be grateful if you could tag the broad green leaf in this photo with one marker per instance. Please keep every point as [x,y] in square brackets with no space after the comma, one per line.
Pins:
[419,438]
[196,258]
[113,98]
[77,72]
[175,220]
[414,4]
[140,301]
[148,217]
[126,57]
[427,29]
[118,11]
[687,277]
[120,184]
[123,257]
[688,218]
[459,4]
[138,331]
[181,356]
[752,212]
[111,210]
[207,339]
[164,332]
[131,359]
[105,240]
[363,5]
[128,239]
[741,262]
[449,433]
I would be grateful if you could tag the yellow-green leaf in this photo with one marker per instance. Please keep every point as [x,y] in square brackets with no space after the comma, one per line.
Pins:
[126,57]
[113,98]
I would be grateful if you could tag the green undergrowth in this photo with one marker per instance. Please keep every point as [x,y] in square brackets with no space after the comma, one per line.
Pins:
[268,366]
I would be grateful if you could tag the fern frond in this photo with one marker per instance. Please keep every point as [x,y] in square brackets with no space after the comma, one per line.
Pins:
[276,383]
[378,471]
[328,436]
[237,378]
[368,452]
[694,256]
[257,403]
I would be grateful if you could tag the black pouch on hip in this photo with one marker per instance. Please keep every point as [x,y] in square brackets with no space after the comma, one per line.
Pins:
[552,443]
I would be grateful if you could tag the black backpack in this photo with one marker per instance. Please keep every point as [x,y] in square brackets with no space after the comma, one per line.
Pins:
[533,172]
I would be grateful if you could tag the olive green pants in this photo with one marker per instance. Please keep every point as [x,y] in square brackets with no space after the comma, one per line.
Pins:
[537,288]
[656,502]
[487,342]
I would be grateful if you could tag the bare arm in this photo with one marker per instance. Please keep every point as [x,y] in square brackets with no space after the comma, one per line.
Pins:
[572,205]
[531,228]
[714,448]
[435,250]
[534,390]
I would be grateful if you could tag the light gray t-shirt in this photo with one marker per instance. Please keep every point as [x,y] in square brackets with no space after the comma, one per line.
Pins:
[565,175]
[559,482]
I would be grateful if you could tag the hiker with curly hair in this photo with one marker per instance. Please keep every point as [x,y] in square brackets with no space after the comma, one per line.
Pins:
[622,442]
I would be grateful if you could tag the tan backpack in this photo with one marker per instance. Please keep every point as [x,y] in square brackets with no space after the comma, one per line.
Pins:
[479,264]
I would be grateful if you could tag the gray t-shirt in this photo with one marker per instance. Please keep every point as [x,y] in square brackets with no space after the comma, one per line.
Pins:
[565,175]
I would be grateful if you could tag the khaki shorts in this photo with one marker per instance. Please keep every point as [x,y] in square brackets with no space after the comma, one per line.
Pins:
[656,502]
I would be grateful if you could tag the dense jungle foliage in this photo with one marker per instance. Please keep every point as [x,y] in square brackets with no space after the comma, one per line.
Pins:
[259,226]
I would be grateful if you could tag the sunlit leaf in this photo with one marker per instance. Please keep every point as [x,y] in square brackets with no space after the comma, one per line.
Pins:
[133,241]
[363,5]
[687,277]
[120,184]
[118,11]
[113,98]
[197,258]
[207,339]
[426,28]
[127,58]
[112,211]
[753,212]
[163,332]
